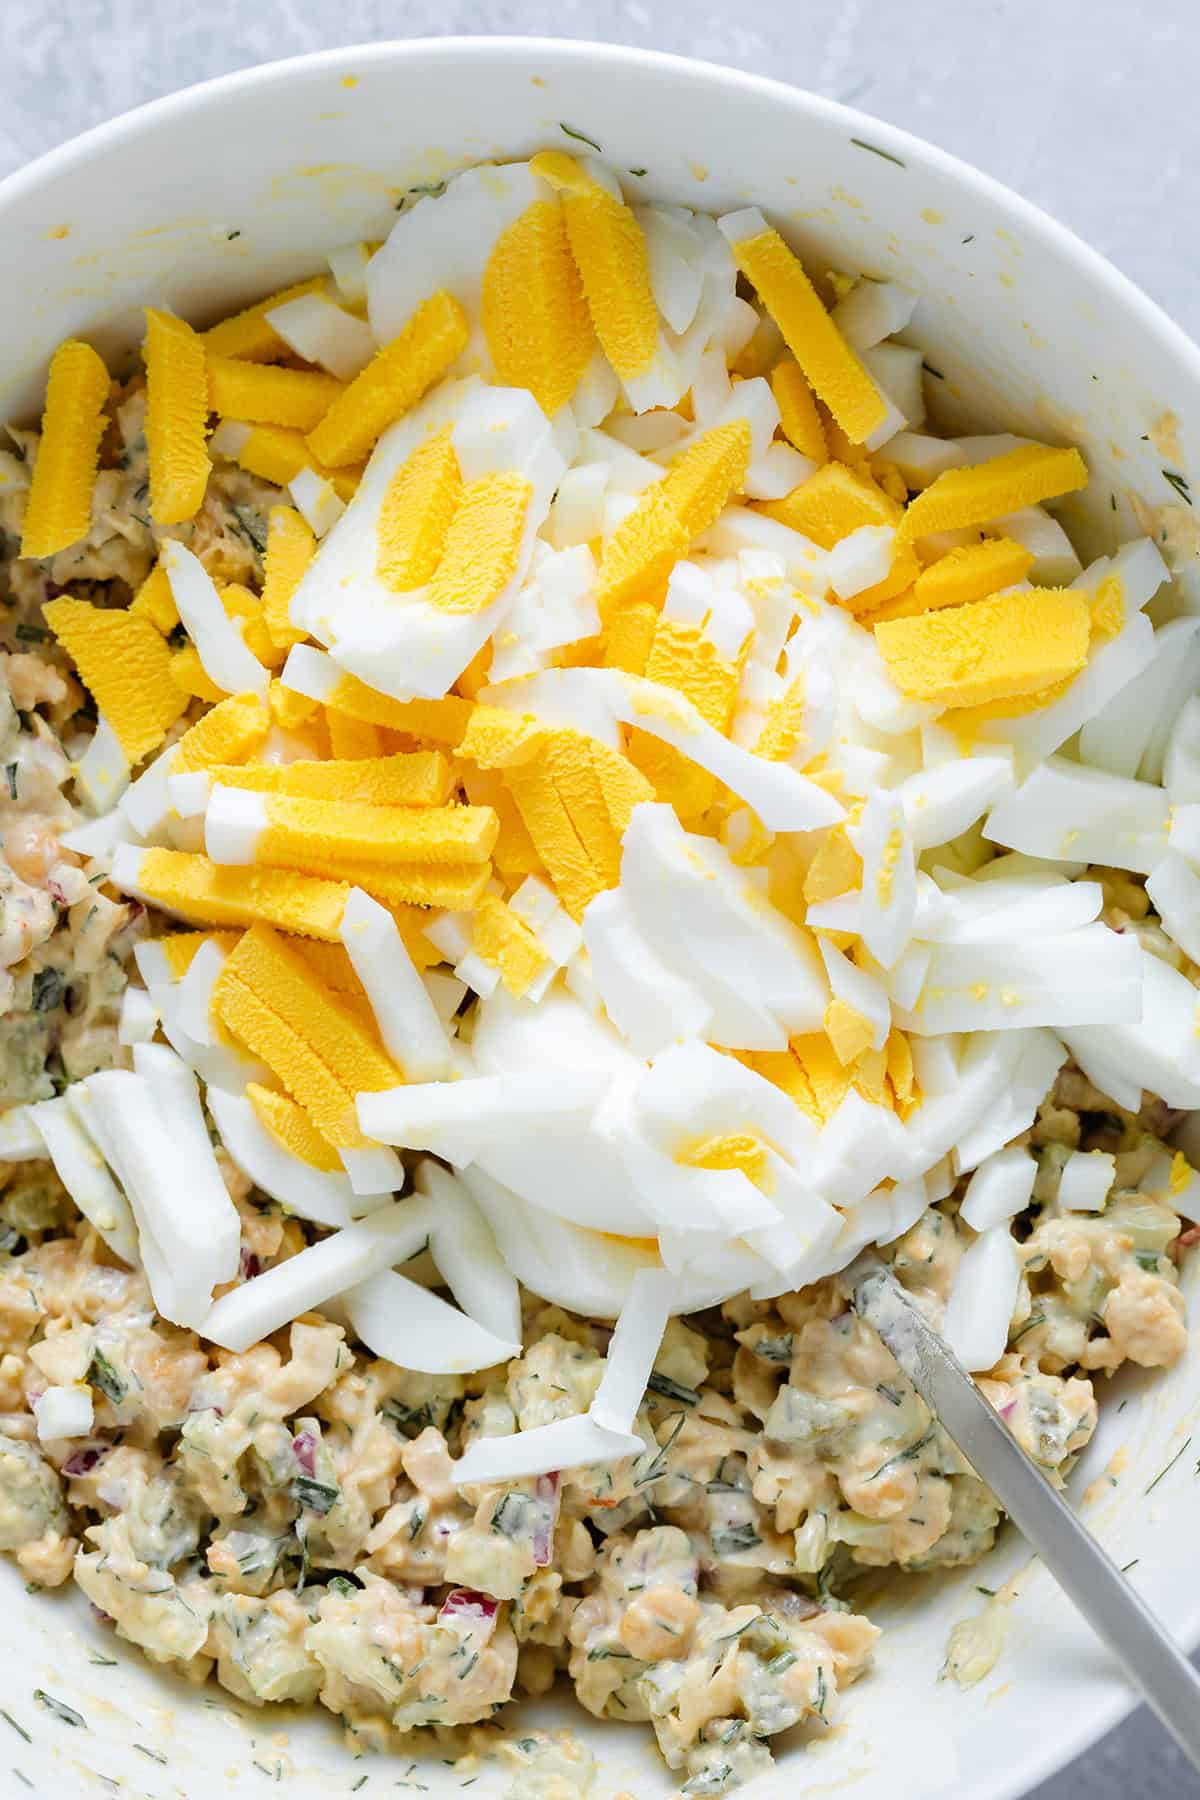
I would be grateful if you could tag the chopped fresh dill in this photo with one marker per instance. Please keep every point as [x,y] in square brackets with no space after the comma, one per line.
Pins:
[861,144]
[658,1465]
[432,189]
[145,1750]
[61,1711]
[19,1729]
[672,1390]
[1177,481]
[101,1374]
[581,137]
[930,370]
[902,1456]
[1169,1466]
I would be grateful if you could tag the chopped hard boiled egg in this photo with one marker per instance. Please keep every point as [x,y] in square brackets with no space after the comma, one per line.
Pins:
[599,763]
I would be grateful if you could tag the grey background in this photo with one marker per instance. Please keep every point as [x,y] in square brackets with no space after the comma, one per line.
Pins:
[1091,108]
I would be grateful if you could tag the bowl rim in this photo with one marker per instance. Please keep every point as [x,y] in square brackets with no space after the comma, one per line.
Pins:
[1040,1762]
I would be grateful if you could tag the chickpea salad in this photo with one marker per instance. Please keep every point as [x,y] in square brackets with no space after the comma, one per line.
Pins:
[547,806]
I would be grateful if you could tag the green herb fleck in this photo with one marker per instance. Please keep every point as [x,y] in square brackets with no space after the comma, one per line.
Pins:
[1032,1322]
[673,1390]
[1177,481]
[411,1420]
[31,634]
[249,522]
[730,1539]
[581,137]
[101,1374]
[1125,1567]
[317,1496]
[970,238]
[10,770]
[710,1781]
[512,1515]
[47,990]
[145,1750]
[1169,1466]
[466,1670]
[889,1393]
[930,370]
[861,144]
[819,1702]
[779,1665]
[230,235]
[902,1456]
[19,1729]
[61,1711]
[988,1593]
[657,1468]
[637,171]
[423,190]
[101,1662]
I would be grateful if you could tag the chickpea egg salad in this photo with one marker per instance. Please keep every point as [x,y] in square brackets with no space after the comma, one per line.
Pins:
[545,808]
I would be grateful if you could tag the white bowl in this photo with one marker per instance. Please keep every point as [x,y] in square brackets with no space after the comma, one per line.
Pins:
[223,192]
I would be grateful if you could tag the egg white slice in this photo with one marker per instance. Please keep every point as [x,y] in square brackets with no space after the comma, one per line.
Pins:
[324,1196]
[1160,1052]
[445,241]
[980,1308]
[252,1311]
[403,1322]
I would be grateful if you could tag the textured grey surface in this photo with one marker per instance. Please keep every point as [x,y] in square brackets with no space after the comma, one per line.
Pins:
[1088,107]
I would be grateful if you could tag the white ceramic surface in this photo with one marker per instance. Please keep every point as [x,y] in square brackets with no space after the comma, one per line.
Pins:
[219,193]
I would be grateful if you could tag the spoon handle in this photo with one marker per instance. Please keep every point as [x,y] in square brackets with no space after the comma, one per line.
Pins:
[1115,1611]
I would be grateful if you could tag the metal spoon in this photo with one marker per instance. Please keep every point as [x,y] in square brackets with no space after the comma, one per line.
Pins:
[1116,1613]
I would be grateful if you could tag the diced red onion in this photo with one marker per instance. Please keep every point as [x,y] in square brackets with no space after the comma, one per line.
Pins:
[250,1265]
[464,1606]
[304,1448]
[81,1461]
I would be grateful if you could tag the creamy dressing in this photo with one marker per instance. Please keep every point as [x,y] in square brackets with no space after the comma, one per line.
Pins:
[286,1519]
